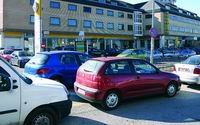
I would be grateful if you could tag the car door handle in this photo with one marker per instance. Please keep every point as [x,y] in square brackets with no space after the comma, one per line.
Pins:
[15,86]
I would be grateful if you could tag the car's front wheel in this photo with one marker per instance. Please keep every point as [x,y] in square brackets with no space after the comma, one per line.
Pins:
[42,116]
[111,100]
[171,89]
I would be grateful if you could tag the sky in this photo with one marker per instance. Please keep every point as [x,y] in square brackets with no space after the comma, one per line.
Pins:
[190,5]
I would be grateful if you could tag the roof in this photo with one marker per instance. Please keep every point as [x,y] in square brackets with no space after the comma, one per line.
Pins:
[58,52]
[107,59]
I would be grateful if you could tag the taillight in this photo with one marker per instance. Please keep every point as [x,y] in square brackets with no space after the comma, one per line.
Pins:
[174,68]
[42,71]
[197,71]
[96,78]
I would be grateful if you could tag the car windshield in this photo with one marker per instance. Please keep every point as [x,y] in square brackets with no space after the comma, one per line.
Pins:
[39,59]
[24,54]
[128,51]
[8,51]
[194,60]
[92,66]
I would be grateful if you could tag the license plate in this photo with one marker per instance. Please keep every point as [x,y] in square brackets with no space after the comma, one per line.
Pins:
[81,91]
[184,70]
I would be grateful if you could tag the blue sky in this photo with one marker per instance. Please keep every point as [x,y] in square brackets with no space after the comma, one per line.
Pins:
[191,5]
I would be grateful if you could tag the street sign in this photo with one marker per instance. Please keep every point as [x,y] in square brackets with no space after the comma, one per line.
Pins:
[153,32]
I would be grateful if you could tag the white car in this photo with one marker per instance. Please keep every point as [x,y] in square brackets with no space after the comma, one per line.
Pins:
[189,70]
[33,101]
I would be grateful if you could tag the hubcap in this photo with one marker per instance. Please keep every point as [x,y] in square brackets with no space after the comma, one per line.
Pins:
[112,100]
[171,90]
[42,120]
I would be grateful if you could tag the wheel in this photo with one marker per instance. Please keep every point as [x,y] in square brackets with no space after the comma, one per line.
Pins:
[42,116]
[21,65]
[171,89]
[111,100]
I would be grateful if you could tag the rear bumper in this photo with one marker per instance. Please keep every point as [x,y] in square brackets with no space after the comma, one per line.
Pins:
[189,78]
[63,108]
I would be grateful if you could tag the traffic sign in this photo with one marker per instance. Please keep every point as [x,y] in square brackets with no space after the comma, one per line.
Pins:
[153,32]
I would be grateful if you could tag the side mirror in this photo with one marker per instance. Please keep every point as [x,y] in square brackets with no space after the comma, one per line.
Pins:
[5,83]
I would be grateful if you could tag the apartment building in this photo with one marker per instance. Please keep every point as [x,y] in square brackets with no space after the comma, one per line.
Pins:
[105,23]
[176,27]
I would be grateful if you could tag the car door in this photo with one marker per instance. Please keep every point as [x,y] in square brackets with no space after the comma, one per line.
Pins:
[148,80]
[70,67]
[119,75]
[10,98]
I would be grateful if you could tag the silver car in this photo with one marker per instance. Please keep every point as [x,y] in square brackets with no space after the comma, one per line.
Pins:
[20,58]
[189,70]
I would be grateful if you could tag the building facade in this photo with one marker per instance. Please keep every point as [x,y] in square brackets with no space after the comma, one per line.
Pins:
[105,24]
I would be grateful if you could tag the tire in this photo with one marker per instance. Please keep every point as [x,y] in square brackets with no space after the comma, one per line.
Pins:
[42,116]
[111,100]
[21,65]
[171,89]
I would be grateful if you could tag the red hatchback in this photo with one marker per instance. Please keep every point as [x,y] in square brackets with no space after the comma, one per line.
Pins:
[108,80]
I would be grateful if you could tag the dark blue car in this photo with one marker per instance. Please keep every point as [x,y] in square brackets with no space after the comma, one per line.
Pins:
[60,66]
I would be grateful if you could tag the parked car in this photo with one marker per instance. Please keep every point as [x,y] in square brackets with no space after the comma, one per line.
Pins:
[189,70]
[60,66]
[109,80]
[134,53]
[32,101]
[20,58]
[6,54]
[186,52]
[156,54]
[95,52]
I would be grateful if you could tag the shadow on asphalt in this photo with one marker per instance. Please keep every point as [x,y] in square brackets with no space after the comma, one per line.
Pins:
[73,120]
[180,109]
[195,87]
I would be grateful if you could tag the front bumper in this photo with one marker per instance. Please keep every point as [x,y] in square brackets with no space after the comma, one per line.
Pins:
[63,108]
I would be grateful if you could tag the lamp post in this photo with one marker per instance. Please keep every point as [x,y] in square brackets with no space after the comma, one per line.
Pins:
[152,38]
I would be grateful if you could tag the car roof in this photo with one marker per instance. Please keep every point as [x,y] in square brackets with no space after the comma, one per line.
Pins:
[108,59]
[59,52]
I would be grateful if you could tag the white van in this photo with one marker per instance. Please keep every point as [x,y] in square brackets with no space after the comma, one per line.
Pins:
[35,101]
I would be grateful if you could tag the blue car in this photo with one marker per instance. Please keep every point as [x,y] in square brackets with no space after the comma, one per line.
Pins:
[60,66]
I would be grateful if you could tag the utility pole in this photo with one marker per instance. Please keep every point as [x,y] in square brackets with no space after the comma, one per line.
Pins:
[152,38]
[37,7]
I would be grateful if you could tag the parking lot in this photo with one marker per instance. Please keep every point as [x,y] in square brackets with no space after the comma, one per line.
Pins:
[182,109]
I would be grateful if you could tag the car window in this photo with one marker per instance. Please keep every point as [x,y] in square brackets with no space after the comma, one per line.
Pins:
[194,60]
[39,59]
[92,66]
[120,67]
[68,59]
[142,67]
[4,83]
[83,58]
[2,71]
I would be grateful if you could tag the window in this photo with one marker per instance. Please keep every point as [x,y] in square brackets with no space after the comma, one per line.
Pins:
[72,7]
[54,4]
[99,11]
[5,84]
[148,16]
[148,27]
[130,27]
[31,2]
[130,16]
[54,20]
[87,9]
[32,20]
[39,59]
[110,26]
[83,58]
[138,29]
[110,13]
[120,26]
[120,14]
[72,22]
[99,25]
[142,67]
[4,72]
[87,24]
[69,60]
[118,68]
[102,1]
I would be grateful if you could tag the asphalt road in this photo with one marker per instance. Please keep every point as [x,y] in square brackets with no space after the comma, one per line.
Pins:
[183,109]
